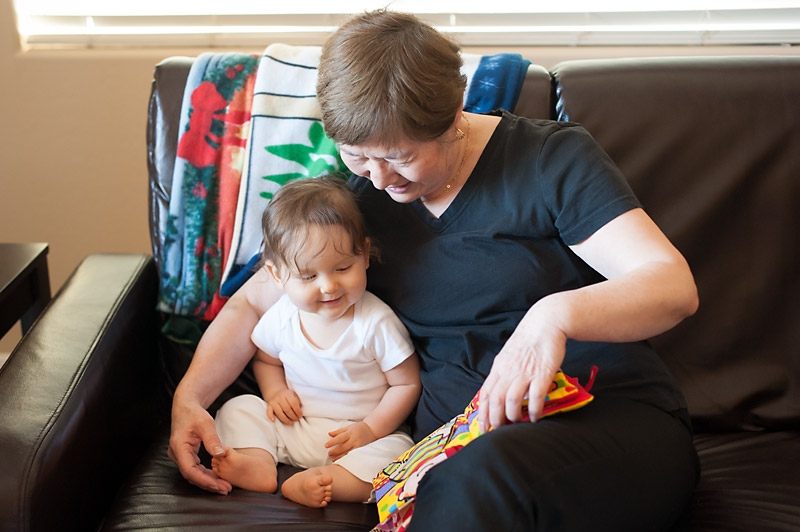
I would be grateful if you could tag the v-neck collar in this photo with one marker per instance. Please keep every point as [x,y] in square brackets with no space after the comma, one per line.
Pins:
[471,185]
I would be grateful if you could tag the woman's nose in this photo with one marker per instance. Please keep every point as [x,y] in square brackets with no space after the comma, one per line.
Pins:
[380,175]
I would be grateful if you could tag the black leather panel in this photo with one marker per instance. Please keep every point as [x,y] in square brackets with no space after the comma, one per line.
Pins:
[166,98]
[79,397]
[748,483]
[711,147]
[535,96]
[158,498]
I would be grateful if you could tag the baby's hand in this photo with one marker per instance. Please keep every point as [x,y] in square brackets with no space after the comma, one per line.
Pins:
[286,406]
[348,438]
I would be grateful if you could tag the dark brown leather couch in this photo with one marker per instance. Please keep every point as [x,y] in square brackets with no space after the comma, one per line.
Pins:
[711,146]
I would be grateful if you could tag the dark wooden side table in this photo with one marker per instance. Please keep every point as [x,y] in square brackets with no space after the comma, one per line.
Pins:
[24,284]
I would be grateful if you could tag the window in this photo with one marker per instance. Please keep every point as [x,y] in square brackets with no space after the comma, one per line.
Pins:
[96,23]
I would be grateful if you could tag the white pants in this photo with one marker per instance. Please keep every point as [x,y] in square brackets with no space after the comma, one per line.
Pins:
[242,422]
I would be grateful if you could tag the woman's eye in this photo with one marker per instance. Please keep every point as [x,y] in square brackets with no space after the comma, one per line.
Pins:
[345,268]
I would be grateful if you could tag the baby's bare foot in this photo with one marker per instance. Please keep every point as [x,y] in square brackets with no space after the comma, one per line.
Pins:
[310,488]
[250,469]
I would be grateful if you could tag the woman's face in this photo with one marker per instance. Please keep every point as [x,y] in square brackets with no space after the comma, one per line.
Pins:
[408,171]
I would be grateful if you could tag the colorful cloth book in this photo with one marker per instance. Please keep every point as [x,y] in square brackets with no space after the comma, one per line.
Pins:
[395,487]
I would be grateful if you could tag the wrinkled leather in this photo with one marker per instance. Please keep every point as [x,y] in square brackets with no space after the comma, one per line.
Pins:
[157,498]
[79,397]
[535,96]
[712,148]
[749,482]
[166,99]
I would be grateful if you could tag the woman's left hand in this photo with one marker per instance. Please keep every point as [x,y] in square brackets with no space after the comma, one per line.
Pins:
[525,367]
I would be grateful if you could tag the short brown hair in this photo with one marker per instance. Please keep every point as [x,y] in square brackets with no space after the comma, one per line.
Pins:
[324,201]
[385,76]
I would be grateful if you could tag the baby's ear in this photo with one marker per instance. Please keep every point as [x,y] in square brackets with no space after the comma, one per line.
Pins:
[367,243]
[274,271]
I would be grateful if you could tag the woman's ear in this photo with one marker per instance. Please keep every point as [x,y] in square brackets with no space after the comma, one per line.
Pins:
[274,272]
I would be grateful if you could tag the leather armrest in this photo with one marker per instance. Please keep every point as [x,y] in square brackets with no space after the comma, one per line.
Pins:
[166,98]
[79,397]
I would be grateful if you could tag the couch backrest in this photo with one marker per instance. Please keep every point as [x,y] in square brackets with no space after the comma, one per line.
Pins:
[712,148]
[166,97]
[164,112]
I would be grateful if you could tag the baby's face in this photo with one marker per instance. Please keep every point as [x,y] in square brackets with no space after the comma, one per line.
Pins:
[329,280]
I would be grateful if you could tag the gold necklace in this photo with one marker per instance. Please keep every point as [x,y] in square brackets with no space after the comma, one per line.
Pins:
[459,135]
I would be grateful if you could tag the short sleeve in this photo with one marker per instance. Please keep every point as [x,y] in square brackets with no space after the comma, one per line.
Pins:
[582,187]
[267,331]
[385,335]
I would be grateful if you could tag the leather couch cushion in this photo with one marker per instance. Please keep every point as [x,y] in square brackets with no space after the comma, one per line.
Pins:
[711,147]
[158,498]
[749,483]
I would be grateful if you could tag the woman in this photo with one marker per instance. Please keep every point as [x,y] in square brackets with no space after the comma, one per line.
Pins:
[510,248]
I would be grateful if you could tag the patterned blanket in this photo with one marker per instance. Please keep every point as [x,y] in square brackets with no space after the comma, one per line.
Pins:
[249,124]
[215,118]
[287,142]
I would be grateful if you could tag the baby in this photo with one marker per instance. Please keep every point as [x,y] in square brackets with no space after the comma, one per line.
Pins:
[335,365]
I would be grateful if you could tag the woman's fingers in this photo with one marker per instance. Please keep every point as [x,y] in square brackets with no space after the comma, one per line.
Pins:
[510,382]
[483,406]
[537,392]
[517,391]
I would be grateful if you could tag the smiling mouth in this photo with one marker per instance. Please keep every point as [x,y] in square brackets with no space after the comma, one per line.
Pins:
[398,188]
[331,301]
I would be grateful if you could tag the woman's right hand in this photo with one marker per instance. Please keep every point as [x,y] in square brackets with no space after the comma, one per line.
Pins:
[223,352]
[286,406]
[192,425]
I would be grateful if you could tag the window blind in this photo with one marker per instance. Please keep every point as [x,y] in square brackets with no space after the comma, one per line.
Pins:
[98,23]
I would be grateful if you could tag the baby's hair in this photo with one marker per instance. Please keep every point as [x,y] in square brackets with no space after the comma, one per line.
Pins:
[323,201]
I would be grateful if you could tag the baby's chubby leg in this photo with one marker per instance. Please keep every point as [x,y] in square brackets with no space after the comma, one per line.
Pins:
[250,468]
[318,486]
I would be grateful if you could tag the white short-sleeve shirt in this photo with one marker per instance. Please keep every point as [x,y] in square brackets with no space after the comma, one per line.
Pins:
[345,381]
